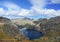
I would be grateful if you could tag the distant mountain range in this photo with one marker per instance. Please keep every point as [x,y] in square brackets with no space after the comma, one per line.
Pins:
[50,27]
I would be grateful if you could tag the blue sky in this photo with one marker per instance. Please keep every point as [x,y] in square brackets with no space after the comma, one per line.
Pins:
[29,8]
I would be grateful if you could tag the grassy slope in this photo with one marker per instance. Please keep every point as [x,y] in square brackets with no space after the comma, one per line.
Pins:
[4,36]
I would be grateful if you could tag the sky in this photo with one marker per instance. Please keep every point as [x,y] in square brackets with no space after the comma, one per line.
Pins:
[29,8]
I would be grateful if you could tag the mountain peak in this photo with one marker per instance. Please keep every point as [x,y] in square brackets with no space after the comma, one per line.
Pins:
[4,20]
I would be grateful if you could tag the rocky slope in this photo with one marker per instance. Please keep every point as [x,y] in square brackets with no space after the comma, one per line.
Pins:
[7,28]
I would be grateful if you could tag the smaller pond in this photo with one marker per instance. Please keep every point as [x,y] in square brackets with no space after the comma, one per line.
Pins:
[32,34]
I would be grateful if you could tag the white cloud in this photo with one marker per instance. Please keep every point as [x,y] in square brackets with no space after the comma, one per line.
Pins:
[11,5]
[47,12]
[55,1]
[14,10]
[36,9]
[2,11]
[38,3]
[50,12]
[26,12]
